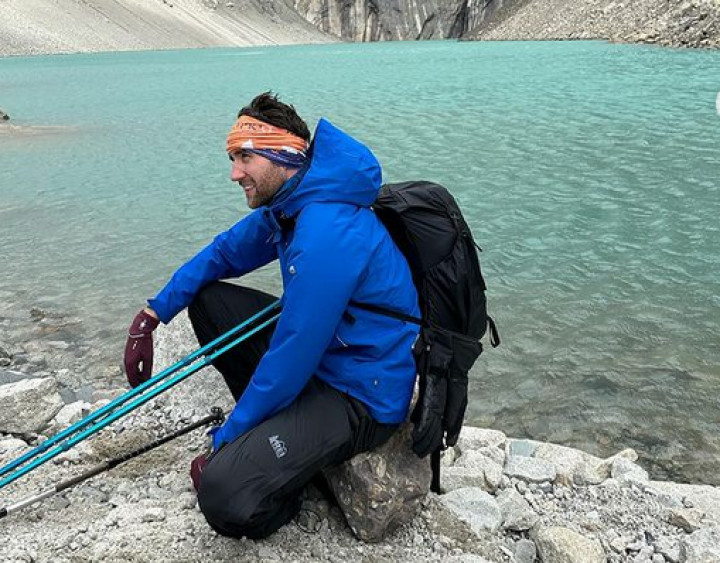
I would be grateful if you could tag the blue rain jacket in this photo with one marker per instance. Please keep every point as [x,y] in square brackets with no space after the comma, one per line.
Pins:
[338,252]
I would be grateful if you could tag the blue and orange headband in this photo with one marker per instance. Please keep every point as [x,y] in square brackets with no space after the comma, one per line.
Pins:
[274,143]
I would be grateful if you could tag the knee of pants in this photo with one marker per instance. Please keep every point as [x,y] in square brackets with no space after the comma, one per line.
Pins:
[220,503]
[233,508]
[203,300]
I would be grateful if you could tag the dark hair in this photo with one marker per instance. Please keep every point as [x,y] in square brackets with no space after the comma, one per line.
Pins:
[268,108]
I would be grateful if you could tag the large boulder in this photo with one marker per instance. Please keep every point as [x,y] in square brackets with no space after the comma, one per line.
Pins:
[380,490]
[27,406]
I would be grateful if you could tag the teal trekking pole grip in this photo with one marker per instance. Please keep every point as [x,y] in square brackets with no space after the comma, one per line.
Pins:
[108,412]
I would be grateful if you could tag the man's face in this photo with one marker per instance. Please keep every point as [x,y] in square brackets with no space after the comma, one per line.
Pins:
[259,177]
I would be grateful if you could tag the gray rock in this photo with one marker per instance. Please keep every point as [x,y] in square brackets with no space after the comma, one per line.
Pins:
[452,478]
[620,543]
[530,469]
[561,545]
[27,406]
[475,468]
[702,546]
[474,438]
[522,448]
[378,491]
[524,551]
[516,512]
[476,507]
[702,497]
[153,514]
[668,547]
[11,376]
[5,356]
[466,558]
[689,519]
[625,471]
[106,395]
[10,449]
[573,466]
[68,415]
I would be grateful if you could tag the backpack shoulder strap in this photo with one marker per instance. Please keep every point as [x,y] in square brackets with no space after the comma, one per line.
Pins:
[388,313]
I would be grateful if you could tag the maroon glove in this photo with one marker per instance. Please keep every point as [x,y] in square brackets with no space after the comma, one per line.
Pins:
[139,348]
[196,468]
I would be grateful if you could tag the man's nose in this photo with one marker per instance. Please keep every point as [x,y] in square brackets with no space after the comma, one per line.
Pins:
[237,172]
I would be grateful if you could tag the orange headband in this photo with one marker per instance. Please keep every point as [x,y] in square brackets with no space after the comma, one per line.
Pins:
[251,133]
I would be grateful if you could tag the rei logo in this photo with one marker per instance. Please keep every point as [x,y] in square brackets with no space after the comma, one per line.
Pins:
[278,446]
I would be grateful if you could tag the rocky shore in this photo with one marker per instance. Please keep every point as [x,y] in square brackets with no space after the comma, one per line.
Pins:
[505,499]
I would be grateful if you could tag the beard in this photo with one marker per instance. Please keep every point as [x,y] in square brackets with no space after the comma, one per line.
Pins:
[262,190]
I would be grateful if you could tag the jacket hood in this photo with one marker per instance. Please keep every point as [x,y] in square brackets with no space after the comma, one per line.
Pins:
[341,170]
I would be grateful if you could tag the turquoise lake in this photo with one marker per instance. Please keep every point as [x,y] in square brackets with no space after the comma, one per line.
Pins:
[588,172]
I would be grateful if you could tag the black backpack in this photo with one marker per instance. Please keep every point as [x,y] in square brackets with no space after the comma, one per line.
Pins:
[425,222]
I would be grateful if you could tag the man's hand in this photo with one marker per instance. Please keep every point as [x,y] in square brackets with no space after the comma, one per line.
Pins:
[197,466]
[139,347]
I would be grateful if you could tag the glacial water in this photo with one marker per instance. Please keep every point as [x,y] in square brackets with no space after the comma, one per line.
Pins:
[588,172]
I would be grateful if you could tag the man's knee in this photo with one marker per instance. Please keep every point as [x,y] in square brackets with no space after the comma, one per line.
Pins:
[203,301]
[236,507]
[224,509]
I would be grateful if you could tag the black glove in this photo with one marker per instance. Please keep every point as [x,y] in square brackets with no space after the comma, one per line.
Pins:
[428,431]
[457,401]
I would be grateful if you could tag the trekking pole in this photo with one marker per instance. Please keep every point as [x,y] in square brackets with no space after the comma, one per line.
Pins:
[216,417]
[139,401]
[102,411]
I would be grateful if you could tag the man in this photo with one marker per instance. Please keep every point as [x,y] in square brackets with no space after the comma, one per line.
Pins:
[330,380]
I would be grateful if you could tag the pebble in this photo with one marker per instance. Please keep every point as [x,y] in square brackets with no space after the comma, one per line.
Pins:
[269,554]
[153,515]
[619,544]
[546,487]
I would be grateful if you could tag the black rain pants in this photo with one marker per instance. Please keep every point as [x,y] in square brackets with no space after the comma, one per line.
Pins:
[252,486]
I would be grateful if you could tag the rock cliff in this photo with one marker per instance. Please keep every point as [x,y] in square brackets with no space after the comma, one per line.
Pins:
[693,23]
[391,20]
